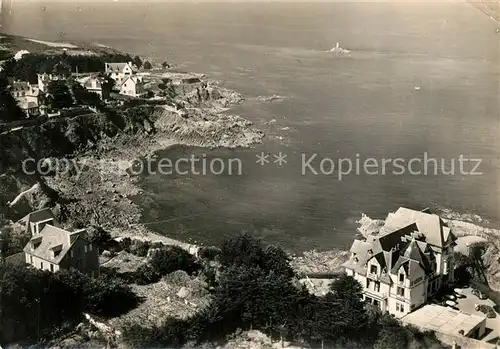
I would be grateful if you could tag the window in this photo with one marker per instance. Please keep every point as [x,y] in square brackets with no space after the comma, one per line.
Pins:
[400,291]
[41,265]
[377,286]
[90,247]
[401,277]
[71,253]
[368,283]
[51,267]
[373,269]
[31,259]
[400,307]
[85,247]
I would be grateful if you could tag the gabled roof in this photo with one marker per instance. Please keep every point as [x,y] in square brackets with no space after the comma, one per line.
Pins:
[52,238]
[431,225]
[134,79]
[118,67]
[413,261]
[37,216]
[87,81]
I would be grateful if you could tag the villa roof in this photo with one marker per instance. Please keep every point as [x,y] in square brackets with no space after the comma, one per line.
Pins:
[118,67]
[407,240]
[135,80]
[429,224]
[52,239]
[87,81]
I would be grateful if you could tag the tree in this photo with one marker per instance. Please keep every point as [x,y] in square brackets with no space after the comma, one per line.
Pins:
[165,65]
[84,97]
[147,65]
[392,334]
[137,61]
[243,250]
[9,110]
[349,293]
[99,237]
[172,258]
[61,95]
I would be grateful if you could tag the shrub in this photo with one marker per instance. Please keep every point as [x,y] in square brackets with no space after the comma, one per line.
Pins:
[172,258]
[209,252]
[140,248]
[99,237]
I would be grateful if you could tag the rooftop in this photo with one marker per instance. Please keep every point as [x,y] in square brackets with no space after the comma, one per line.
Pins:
[443,319]
[52,239]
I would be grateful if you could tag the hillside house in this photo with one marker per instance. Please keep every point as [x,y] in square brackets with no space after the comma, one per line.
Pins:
[27,96]
[53,248]
[133,86]
[406,263]
[119,72]
[97,85]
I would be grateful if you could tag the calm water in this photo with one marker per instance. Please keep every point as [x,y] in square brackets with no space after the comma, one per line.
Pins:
[337,107]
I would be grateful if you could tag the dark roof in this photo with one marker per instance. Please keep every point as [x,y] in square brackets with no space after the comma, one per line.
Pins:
[37,216]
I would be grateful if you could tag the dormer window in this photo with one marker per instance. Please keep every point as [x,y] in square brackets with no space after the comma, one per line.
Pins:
[370,251]
[401,277]
[373,269]
[35,242]
[356,259]
[56,250]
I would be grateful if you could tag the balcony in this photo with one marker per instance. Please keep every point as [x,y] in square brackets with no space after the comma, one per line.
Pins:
[375,294]
[399,297]
[373,276]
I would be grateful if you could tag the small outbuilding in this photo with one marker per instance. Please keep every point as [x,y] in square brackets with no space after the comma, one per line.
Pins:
[447,321]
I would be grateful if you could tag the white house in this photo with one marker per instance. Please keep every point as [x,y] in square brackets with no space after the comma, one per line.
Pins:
[133,86]
[407,262]
[96,85]
[27,97]
[119,72]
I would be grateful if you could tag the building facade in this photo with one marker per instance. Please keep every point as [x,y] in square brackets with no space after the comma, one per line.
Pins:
[120,71]
[27,96]
[132,86]
[97,85]
[405,263]
[53,248]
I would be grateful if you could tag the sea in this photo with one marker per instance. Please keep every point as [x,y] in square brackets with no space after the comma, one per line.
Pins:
[421,81]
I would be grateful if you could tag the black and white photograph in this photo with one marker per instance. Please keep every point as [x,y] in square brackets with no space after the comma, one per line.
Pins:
[250,174]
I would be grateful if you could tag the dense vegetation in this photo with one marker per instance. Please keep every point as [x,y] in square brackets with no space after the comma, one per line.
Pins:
[30,65]
[37,305]
[257,289]
[9,110]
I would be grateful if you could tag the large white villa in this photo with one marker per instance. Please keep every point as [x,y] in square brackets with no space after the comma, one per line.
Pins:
[405,263]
